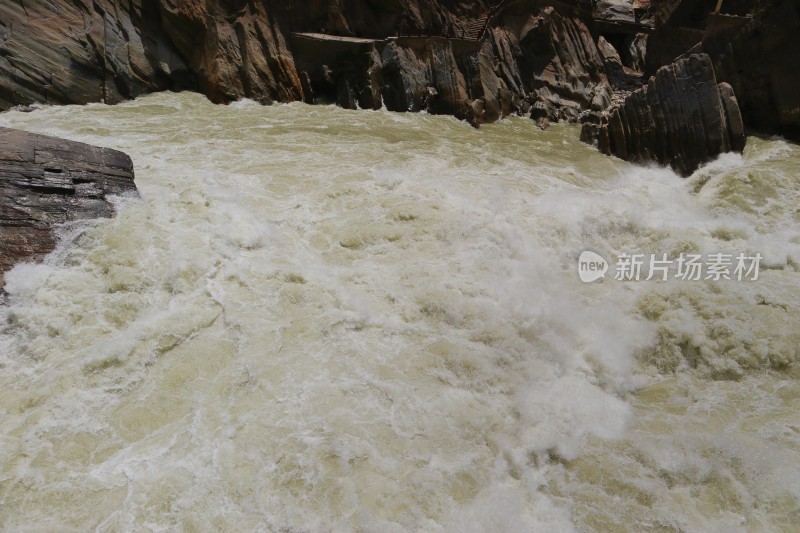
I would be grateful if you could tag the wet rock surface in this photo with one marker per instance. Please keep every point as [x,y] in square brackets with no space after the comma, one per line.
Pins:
[46,182]
[80,51]
[424,56]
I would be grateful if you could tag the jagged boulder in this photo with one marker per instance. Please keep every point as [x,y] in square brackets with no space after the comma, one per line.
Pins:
[423,74]
[46,181]
[620,76]
[681,118]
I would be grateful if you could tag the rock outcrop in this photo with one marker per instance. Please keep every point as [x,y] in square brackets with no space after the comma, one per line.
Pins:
[46,181]
[80,51]
[681,118]
[537,57]
[557,61]
[406,54]
[754,46]
[533,60]
[760,58]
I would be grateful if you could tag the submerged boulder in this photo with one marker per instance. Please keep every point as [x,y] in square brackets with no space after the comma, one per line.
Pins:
[681,118]
[47,181]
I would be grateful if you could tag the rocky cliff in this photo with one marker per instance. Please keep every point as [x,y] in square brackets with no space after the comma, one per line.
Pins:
[45,182]
[79,51]
[754,46]
[535,61]
[477,60]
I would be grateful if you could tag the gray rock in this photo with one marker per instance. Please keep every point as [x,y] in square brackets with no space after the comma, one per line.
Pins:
[637,50]
[754,46]
[558,64]
[46,181]
[681,118]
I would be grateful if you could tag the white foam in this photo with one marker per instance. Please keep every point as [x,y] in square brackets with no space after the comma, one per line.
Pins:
[324,319]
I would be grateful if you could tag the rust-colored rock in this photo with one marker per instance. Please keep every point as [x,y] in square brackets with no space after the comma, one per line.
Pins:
[80,51]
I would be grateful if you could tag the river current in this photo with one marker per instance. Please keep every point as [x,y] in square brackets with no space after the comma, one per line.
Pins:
[317,319]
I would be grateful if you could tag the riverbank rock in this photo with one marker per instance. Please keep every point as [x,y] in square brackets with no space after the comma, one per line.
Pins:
[754,46]
[81,51]
[408,55]
[45,182]
[760,58]
[681,118]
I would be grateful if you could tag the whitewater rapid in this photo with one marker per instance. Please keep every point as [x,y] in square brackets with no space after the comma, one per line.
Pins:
[317,319]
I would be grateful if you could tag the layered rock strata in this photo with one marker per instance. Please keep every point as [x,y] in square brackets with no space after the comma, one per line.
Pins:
[681,118]
[46,182]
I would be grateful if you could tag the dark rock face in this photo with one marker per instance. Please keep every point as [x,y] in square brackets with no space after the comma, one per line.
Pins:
[46,181]
[681,118]
[754,46]
[762,63]
[341,71]
[621,77]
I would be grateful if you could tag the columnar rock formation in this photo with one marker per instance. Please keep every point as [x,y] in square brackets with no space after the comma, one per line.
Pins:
[681,118]
[754,46]
[542,63]
[44,182]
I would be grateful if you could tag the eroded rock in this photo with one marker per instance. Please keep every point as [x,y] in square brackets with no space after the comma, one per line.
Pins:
[681,118]
[45,182]
[81,51]
[754,46]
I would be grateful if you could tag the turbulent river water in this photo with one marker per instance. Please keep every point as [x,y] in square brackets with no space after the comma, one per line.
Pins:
[317,319]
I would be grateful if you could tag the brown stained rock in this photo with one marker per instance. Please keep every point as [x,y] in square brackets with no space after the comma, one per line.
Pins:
[537,56]
[81,51]
[560,63]
[46,181]
[681,118]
